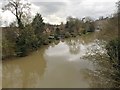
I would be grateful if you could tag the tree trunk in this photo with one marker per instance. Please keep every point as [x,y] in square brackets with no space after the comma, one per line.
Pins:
[20,25]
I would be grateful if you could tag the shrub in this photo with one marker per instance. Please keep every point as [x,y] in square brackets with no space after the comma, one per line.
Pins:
[26,41]
[113,49]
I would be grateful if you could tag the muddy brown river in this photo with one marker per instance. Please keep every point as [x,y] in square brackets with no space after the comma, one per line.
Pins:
[79,62]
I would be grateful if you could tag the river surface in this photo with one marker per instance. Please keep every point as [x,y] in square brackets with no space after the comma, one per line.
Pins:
[71,63]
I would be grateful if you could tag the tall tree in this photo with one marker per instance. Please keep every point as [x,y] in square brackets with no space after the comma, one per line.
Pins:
[73,24]
[118,6]
[89,24]
[0,20]
[18,9]
[38,24]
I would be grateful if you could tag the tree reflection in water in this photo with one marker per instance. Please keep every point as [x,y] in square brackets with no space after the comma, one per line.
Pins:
[74,45]
[54,43]
[24,72]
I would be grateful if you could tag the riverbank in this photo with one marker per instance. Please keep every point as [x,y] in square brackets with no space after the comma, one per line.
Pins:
[102,35]
[46,42]
[69,58]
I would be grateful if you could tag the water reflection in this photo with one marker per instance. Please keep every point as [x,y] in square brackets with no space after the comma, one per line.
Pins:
[23,72]
[79,62]
[74,45]
[82,55]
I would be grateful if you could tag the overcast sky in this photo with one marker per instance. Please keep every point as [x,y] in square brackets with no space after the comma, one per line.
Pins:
[56,11]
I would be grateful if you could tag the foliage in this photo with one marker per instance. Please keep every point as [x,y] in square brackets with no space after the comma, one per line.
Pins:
[113,49]
[26,41]
[110,29]
[57,31]
[113,46]
[38,24]
[8,42]
[8,48]
[73,25]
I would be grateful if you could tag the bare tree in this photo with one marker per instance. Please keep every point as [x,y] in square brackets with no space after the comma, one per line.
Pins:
[0,20]
[19,9]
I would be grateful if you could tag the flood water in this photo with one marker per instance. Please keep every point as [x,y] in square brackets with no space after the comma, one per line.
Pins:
[71,63]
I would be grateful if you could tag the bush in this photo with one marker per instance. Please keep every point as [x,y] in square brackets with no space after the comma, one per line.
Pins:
[8,48]
[90,27]
[26,41]
[113,49]
[21,47]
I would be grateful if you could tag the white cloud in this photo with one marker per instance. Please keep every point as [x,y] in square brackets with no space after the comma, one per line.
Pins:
[6,18]
[93,8]
[56,11]
[49,0]
[34,9]
[53,19]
